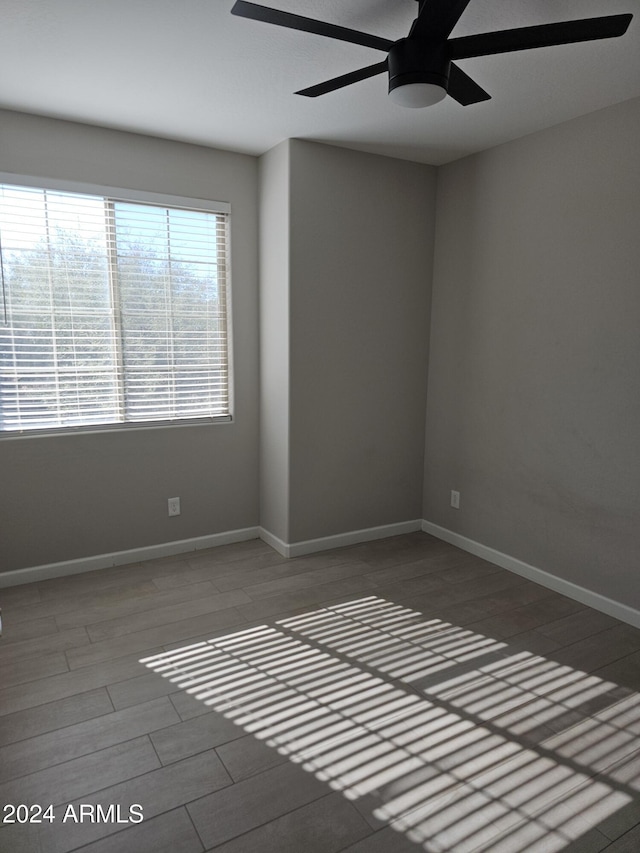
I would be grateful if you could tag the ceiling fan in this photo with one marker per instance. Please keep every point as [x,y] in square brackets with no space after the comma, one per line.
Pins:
[421,67]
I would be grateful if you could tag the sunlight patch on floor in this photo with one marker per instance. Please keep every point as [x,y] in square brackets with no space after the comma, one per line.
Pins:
[449,736]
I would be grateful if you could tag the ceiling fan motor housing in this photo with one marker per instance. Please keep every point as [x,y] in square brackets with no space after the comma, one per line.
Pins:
[418,61]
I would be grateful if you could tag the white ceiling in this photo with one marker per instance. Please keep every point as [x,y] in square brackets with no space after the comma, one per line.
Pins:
[189,70]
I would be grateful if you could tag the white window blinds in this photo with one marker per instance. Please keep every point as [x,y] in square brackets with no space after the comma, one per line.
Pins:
[112,311]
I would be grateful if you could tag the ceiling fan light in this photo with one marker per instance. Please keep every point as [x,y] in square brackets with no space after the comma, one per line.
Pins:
[418,72]
[416,95]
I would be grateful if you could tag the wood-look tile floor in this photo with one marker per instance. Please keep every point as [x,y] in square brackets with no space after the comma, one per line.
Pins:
[395,696]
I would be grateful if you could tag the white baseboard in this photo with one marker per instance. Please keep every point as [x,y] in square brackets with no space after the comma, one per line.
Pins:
[120,558]
[338,540]
[571,590]
[310,546]
[272,540]
[182,546]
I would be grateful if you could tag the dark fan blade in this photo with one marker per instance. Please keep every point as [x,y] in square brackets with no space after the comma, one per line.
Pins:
[307,25]
[344,80]
[437,18]
[545,35]
[463,89]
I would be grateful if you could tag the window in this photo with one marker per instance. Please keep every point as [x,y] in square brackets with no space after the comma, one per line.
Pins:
[113,311]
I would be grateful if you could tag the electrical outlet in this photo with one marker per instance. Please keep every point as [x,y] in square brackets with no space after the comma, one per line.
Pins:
[173,505]
[455,499]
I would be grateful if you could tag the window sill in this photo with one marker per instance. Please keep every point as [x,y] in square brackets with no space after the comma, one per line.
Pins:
[93,429]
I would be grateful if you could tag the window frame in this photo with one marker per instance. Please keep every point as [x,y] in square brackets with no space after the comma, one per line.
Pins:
[121,194]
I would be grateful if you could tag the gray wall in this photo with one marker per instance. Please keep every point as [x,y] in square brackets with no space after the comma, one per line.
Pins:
[66,497]
[361,243]
[330,362]
[533,408]
[274,341]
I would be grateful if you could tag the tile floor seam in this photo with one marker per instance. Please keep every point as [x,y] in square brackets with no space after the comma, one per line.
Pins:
[195,828]
[263,823]
[89,720]
[85,755]
[608,663]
